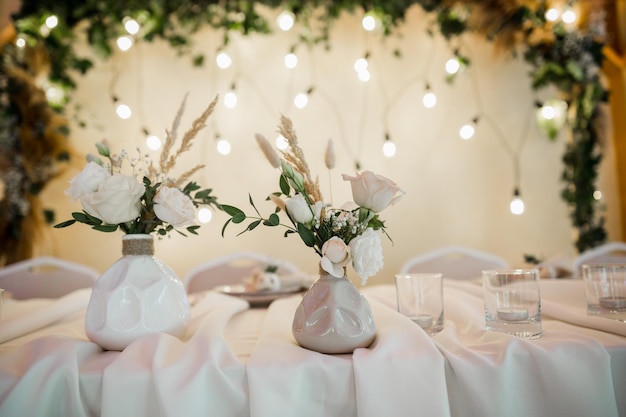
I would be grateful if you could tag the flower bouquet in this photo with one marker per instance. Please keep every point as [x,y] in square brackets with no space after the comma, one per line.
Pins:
[344,236]
[139,295]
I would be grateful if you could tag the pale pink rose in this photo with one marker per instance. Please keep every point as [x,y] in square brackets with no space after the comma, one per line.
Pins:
[298,209]
[335,256]
[116,201]
[87,181]
[373,192]
[174,207]
[367,254]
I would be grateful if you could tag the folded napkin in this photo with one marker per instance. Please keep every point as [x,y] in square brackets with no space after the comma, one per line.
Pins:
[47,312]
[270,281]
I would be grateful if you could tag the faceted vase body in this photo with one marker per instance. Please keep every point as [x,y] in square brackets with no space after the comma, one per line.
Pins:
[333,317]
[138,295]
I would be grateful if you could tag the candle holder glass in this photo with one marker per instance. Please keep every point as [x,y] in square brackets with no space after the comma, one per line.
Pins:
[420,298]
[513,302]
[605,290]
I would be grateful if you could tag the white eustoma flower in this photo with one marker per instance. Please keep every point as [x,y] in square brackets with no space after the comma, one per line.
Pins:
[117,200]
[298,209]
[367,254]
[373,192]
[87,181]
[172,206]
[335,256]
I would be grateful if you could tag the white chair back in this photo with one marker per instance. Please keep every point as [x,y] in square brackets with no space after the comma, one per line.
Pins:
[608,253]
[45,277]
[454,262]
[232,269]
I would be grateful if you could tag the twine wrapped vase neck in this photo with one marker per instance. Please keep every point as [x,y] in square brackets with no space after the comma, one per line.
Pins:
[139,244]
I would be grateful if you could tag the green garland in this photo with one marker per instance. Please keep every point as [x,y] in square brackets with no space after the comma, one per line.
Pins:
[567,60]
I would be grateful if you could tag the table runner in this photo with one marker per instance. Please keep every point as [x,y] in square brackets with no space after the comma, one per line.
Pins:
[401,374]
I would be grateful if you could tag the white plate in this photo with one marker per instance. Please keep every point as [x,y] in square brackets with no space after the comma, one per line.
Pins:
[258,297]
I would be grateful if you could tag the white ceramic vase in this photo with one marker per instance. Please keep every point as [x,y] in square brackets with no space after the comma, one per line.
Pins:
[333,317]
[137,296]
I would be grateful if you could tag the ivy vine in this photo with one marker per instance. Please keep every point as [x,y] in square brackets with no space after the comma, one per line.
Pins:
[563,57]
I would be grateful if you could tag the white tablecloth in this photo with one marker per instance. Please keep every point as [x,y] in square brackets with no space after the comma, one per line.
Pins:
[238,361]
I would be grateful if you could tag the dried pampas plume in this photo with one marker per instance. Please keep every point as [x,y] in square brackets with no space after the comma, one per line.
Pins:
[329,156]
[268,151]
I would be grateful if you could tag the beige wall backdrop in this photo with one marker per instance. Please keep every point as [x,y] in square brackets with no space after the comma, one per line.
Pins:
[457,192]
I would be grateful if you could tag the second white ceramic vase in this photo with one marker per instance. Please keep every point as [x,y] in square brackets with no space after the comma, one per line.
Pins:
[333,317]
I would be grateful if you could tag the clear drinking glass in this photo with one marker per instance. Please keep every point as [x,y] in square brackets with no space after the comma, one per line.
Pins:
[420,298]
[605,290]
[513,302]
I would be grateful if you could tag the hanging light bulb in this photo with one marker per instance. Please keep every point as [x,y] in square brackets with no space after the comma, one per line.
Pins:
[223,60]
[569,16]
[153,142]
[453,65]
[467,131]
[123,111]
[517,204]
[429,99]
[124,43]
[302,99]
[52,21]
[552,14]
[204,215]
[281,142]
[369,22]
[131,25]
[361,66]
[389,147]
[223,146]
[551,117]
[285,20]
[54,94]
[20,42]
[291,60]
[230,98]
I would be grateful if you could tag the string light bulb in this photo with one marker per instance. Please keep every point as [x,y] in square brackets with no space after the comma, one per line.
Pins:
[429,99]
[124,43]
[281,143]
[302,99]
[204,215]
[223,60]
[569,16]
[517,204]
[291,60]
[230,98]
[551,116]
[389,147]
[552,14]
[123,111]
[223,146]
[20,42]
[153,142]
[285,20]
[467,131]
[369,22]
[361,66]
[453,65]
[131,26]
[52,21]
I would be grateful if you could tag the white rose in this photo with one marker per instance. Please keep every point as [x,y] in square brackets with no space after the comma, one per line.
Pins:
[87,181]
[116,201]
[298,209]
[373,192]
[335,256]
[174,207]
[367,254]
